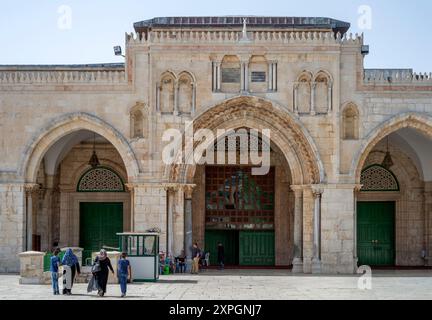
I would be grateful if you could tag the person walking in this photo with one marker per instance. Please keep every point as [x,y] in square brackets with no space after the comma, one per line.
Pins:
[124,273]
[71,268]
[196,255]
[221,255]
[54,267]
[102,275]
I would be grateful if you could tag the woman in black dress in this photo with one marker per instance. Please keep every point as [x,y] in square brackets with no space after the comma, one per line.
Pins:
[102,275]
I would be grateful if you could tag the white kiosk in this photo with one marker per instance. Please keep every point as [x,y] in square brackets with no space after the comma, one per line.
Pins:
[143,253]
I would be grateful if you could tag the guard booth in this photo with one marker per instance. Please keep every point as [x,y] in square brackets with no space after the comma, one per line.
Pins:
[143,254]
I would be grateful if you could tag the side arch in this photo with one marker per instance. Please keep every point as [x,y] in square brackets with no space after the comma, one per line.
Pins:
[418,121]
[66,124]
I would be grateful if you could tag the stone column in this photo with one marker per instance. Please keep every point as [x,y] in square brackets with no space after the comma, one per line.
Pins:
[356,191]
[188,190]
[270,76]
[193,99]
[176,95]
[214,76]
[274,76]
[30,190]
[329,96]
[171,190]
[298,229]
[242,76]
[295,108]
[246,75]
[130,188]
[312,97]
[219,75]
[316,258]
[158,97]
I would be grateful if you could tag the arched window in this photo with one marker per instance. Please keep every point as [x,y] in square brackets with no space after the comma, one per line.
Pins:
[186,87]
[322,92]
[302,93]
[230,70]
[100,179]
[378,178]
[137,124]
[167,93]
[258,78]
[350,123]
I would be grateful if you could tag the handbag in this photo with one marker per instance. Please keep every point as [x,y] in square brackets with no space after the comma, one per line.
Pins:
[96,267]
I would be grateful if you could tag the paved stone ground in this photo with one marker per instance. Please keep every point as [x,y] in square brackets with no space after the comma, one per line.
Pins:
[246,284]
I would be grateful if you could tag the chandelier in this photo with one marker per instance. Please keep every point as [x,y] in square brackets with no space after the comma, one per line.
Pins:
[388,161]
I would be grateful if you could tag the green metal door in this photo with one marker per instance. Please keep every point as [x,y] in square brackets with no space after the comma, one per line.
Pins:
[257,248]
[99,224]
[229,239]
[375,233]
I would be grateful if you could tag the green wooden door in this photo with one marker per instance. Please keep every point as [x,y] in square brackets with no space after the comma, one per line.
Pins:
[99,224]
[256,248]
[229,239]
[375,233]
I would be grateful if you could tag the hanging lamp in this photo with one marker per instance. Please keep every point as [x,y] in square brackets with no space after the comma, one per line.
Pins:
[94,161]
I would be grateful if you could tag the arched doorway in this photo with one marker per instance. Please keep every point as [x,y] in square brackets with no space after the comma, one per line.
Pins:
[73,199]
[267,221]
[394,204]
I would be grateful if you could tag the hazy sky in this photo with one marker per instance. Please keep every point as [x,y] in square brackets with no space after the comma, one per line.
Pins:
[39,32]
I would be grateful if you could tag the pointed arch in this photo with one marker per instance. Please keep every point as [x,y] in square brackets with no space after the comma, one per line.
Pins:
[64,125]
[287,132]
[418,121]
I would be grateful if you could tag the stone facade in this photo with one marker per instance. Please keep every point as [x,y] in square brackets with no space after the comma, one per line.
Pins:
[329,119]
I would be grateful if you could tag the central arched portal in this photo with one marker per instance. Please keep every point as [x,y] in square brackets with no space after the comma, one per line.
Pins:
[252,215]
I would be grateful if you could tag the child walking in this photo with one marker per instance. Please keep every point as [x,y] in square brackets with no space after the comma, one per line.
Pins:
[54,266]
[124,273]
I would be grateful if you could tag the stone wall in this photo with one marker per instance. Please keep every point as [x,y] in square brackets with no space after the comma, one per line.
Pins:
[12,225]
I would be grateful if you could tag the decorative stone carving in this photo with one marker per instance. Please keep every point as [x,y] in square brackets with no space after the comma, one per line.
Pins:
[101,180]
[377,178]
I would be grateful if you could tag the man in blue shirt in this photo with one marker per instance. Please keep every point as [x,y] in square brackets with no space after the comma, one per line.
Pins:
[54,266]
[124,272]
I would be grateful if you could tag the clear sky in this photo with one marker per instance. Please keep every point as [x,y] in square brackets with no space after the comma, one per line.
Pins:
[79,31]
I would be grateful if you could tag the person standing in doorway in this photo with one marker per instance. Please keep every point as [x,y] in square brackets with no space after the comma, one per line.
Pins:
[124,273]
[71,268]
[102,275]
[221,255]
[54,267]
[196,255]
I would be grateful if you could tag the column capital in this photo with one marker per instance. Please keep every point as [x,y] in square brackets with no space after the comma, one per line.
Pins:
[31,188]
[171,187]
[357,187]
[317,190]
[297,189]
[188,189]
[129,186]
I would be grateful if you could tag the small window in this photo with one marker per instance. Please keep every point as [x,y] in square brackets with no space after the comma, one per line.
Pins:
[258,76]
[231,75]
